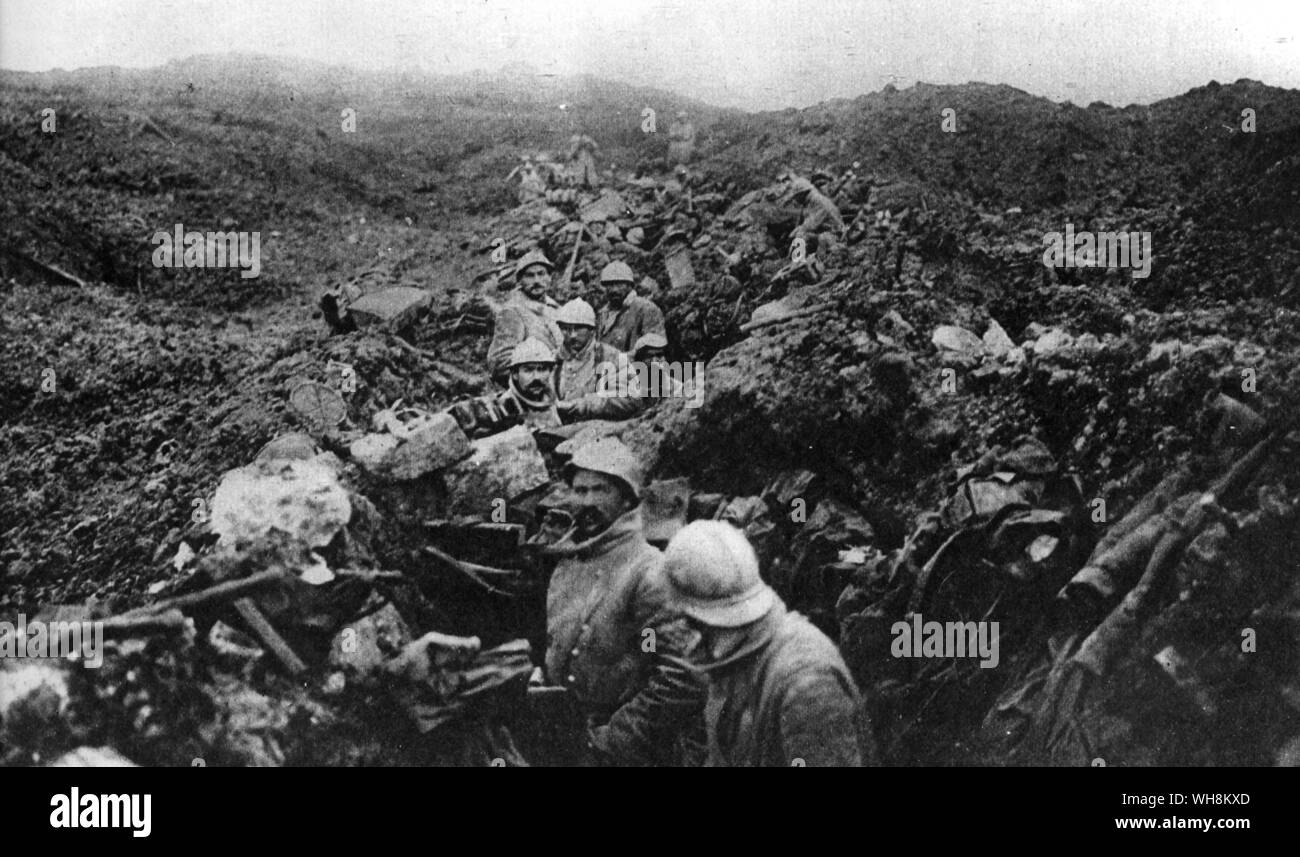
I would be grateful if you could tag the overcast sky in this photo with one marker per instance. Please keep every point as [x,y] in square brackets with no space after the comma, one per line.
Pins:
[754,54]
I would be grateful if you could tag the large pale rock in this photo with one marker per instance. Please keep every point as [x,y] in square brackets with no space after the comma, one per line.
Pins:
[947,337]
[996,340]
[301,498]
[396,307]
[438,443]
[372,452]
[502,466]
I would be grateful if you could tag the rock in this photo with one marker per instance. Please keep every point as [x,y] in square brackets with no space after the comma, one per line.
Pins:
[395,307]
[894,327]
[608,206]
[948,337]
[1051,341]
[301,498]
[793,485]
[92,757]
[292,446]
[501,466]
[1164,353]
[1088,342]
[371,451]
[436,444]
[681,273]
[1247,354]
[33,698]
[840,523]
[996,341]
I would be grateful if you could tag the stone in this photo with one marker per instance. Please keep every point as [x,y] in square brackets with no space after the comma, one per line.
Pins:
[947,337]
[501,466]
[301,498]
[371,451]
[681,272]
[1052,341]
[608,206]
[295,445]
[438,443]
[996,341]
[396,307]
[92,757]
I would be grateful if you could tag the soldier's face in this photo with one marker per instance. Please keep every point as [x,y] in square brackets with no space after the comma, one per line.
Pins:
[534,281]
[534,379]
[597,502]
[576,336]
[616,292]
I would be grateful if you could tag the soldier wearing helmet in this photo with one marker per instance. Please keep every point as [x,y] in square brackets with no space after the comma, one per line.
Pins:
[596,380]
[527,313]
[626,316]
[613,639]
[532,368]
[779,692]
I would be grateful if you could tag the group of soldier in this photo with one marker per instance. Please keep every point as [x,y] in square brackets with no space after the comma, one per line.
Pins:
[679,657]
[536,176]
[558,362]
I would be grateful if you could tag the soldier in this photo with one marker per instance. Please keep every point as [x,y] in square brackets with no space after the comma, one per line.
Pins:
[582,160]
[528,312]
[532,185]
[612,638]
[626,316]
[681,140]
[779,692]
[532,383]
[820,216]
[596,380]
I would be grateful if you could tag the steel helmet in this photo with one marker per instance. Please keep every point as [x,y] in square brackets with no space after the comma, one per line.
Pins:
[714,575]
[576,311]
[617,272]
[532,257]
[531,351]
[608,455]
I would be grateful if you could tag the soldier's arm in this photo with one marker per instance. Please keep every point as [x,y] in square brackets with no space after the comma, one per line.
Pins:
[617,403]
[819,721]
[673,693]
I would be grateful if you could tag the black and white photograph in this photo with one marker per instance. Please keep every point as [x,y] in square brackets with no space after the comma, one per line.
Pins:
[651,384]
